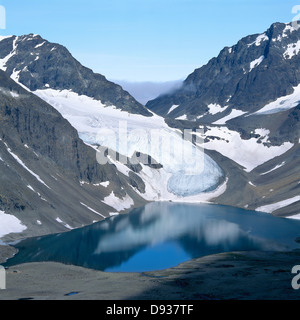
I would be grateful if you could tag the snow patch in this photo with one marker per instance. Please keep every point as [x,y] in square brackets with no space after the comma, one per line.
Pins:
[10,224]
[263,133]
[275,168]
[247,153]
[175,106]
[9,93]
[104,184]
[255,63]
[121,167]
[113,214]
[183,117]
[30,187]
[292,50]
[283,103]
[233,114]
[63,223]
[4,37]
[288,29]
[296,217]
[15,76]
[4,60]
[92,210]
[278,205]
[25,167]
[215,108]
[119,204]
[259,40]
[39,45]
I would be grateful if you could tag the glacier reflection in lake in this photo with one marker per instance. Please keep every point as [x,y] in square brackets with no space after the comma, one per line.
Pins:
[162,235]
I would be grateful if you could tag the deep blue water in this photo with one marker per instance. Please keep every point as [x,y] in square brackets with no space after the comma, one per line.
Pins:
[162,235]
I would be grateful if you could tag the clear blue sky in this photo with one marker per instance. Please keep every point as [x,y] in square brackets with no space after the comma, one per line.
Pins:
[139,40]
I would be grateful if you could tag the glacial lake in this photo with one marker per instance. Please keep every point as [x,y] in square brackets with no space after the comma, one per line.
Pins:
[162,235]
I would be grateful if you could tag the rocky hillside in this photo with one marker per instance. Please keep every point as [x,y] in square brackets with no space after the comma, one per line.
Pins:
[247,102]
[50,180]
[245,77]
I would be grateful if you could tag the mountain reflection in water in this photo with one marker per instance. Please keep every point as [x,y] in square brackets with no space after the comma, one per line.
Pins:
[161,235]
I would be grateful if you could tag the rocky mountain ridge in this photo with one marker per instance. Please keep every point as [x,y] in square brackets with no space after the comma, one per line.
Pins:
[38,64]
[247,76]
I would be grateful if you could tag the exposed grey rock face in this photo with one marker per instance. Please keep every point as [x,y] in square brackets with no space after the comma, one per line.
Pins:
[49,178]
[255,71]
[39,64]
[27,119]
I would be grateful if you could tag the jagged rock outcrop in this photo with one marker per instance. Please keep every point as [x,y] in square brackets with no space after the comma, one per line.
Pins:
[255,71]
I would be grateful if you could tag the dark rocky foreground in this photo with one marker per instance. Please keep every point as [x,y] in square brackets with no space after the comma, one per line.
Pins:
[227,276]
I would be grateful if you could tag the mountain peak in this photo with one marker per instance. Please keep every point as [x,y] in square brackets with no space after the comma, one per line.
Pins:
[39,64]
[255,71]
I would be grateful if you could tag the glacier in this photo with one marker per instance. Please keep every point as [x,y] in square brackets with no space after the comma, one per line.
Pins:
[186,170]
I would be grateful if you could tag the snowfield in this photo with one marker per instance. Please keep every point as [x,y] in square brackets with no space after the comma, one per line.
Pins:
[247,153]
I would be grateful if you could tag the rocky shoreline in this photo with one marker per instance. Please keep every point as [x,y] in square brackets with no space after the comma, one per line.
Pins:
[6,252]
[225,276]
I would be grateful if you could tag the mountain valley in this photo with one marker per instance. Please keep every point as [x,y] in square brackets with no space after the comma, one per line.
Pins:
[242,107]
